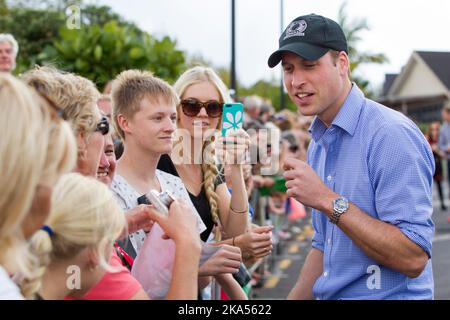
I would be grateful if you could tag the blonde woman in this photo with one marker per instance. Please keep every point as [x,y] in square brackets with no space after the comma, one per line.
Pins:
[29,170]
[60,158]
[202,95]
[77,97]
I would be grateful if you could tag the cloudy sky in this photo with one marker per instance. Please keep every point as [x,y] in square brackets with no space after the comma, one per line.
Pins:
[204,27]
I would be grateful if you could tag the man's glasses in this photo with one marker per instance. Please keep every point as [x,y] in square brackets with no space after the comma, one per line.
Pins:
[103,126]
[191,107]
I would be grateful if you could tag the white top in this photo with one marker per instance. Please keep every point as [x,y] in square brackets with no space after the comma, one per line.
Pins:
[127,198]
[8,289]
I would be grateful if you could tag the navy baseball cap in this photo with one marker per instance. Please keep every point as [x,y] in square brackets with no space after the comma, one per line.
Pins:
[310,37]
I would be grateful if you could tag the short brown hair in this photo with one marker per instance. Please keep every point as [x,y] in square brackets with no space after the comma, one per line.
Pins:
[130,87]
[335,57]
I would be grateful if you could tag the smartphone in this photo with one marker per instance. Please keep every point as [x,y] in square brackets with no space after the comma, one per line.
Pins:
[232,117]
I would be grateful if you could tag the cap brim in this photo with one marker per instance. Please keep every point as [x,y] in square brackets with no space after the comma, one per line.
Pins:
[304,50]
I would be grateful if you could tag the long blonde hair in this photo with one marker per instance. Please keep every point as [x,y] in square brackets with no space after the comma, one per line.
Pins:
[195,75]
[84,215]
[23,149]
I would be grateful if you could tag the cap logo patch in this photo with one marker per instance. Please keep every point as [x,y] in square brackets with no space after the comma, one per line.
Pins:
[296,28]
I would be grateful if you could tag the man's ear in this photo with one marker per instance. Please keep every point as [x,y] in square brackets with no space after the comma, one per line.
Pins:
[123,123]
[343,63]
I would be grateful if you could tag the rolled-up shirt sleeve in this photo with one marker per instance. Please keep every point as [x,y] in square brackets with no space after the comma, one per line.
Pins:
[401,171]
[319,228]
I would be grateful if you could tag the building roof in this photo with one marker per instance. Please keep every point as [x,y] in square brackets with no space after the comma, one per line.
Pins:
[439,62]
[388,81]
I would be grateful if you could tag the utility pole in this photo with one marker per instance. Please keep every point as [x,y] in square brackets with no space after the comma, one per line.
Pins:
[282,106]
[233,85]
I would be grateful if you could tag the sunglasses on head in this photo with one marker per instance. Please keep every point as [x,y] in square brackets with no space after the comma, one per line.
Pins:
[191,107]
[103,126]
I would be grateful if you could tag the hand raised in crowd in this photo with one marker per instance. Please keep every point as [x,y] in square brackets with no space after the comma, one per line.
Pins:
[180,225]
[233,148]
[138,218]
[305,186]
[261,181]
[247,171]
[255,243]
[226,260]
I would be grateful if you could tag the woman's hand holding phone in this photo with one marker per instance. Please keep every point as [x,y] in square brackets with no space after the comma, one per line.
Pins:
[232,149]
[233,144]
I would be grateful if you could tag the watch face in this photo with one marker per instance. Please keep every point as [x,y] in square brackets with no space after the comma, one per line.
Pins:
[341,205]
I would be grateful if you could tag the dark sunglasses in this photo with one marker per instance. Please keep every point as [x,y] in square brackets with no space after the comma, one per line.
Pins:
[103,126]
[191,107]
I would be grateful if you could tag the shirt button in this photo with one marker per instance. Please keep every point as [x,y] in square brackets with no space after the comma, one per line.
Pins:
[329,178]
[325,274]
[329,241]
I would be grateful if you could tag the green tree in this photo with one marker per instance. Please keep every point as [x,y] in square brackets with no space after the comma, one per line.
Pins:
[352,30]
[269,89]
[101,52]
[33,29]
[105,45]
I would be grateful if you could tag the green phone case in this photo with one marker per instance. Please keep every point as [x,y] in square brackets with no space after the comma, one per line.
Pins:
[232,117]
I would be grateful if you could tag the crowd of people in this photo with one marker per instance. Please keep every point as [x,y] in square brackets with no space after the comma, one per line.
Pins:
[78,168]
[101,156]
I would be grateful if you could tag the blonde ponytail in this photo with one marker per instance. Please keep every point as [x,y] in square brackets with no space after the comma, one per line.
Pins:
[40,247]
[84,215]
[210,173]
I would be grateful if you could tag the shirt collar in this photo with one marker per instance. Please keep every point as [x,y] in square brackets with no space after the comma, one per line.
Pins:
[347,117]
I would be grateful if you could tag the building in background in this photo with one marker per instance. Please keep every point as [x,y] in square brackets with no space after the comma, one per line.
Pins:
[422,87]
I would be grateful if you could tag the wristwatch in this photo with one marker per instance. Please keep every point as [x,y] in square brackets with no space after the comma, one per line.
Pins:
[340,206]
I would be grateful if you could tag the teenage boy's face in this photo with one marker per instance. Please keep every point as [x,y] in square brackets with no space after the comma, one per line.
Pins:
[152,127]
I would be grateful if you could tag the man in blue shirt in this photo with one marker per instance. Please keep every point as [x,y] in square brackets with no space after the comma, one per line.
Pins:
[368,177]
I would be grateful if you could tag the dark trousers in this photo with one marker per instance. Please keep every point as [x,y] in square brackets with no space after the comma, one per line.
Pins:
[448,174]
[441,194]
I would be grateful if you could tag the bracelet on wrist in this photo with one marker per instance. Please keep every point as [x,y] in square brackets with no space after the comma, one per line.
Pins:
[235,211]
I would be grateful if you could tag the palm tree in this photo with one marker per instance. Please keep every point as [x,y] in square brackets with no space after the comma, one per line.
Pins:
[352,30]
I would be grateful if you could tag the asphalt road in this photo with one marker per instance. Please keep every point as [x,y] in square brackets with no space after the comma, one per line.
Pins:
[291,255]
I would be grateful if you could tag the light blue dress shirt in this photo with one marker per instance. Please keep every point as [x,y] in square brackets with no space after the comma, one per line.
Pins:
[380,161]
